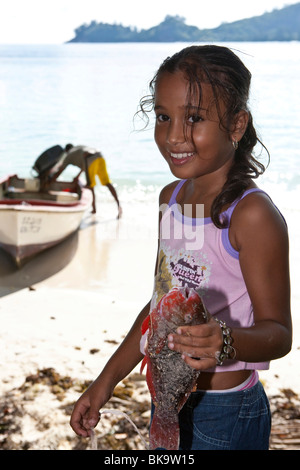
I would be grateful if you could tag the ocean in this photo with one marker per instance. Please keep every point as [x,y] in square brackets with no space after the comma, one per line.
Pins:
[89,93]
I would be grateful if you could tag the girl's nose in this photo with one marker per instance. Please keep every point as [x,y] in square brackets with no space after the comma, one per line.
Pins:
[176,133]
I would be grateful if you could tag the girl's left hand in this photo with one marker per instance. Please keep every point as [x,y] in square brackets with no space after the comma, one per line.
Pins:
[198,344]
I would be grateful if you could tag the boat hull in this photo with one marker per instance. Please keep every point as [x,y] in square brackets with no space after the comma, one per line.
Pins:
[29,227]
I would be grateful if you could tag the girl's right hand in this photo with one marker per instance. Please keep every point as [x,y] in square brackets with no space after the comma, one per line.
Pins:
[85,415]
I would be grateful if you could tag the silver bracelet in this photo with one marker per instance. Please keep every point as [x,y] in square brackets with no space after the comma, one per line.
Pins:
[227,348]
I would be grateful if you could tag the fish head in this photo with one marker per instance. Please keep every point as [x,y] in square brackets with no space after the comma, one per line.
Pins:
[183,305]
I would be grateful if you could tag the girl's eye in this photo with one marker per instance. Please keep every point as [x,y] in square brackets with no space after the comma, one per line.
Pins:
[195,118]
[162,117]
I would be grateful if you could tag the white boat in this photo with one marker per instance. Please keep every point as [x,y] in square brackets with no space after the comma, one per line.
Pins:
[32,220]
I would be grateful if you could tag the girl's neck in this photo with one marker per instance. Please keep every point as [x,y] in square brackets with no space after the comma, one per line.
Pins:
[204,187]
[193,194]
[202,190]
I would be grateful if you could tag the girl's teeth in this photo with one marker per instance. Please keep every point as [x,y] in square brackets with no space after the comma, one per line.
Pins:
[181,155]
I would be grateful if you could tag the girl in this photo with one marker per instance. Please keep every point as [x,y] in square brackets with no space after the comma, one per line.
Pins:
[205,132]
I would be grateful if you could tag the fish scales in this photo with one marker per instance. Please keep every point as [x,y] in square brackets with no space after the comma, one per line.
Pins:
[170,379]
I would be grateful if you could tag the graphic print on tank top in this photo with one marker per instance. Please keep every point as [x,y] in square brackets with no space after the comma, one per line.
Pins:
[179,268]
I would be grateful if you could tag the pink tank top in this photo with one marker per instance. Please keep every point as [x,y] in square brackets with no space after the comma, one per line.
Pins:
[194,252]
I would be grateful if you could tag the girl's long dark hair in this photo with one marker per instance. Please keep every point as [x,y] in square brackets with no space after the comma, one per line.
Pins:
[230,81]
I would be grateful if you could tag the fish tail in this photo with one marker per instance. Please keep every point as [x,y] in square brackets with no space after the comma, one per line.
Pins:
[164,431]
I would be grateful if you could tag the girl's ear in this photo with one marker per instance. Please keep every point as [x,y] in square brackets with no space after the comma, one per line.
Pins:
[240,125]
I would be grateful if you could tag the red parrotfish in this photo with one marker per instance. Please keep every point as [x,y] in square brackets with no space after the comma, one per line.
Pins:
[170,380]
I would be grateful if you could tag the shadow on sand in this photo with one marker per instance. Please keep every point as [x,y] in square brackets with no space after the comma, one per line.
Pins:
[37,269]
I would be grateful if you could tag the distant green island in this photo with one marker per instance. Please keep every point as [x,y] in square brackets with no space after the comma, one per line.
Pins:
[278,25]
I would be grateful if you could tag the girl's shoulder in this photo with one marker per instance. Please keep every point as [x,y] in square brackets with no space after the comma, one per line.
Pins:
[167,191]
[255,207]
[256,214]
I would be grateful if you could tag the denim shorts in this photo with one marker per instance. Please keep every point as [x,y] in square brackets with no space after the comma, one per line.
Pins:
[238,420]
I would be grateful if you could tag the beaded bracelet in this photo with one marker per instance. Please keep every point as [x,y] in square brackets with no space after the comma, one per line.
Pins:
[227,348]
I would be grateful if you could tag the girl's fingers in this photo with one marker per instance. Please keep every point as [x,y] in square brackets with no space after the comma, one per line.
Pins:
[198,344]
[199,364]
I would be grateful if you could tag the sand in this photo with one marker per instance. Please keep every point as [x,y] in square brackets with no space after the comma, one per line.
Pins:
[67,310]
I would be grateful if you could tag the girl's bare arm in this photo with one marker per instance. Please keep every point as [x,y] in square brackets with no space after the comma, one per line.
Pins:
[86,411]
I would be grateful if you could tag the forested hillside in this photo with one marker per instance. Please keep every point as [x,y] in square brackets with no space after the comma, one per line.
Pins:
[278,25]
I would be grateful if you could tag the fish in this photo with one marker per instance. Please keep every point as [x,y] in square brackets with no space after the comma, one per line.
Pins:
[170,380]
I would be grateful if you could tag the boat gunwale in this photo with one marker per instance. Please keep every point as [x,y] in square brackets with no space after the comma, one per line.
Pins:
[22,203]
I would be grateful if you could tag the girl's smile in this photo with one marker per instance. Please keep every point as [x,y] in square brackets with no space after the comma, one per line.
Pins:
[181,158]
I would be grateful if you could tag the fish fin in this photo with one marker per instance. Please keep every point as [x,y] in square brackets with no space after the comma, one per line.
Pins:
[148,321]
[145,325]
[146,362]
[150,382]
[143,364]
[164,431]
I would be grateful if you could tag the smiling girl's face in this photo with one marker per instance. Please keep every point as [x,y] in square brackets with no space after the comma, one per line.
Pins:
[190,136]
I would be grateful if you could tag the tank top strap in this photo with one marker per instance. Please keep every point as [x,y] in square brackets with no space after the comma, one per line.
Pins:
[175,192]
[227,216]
[230,209]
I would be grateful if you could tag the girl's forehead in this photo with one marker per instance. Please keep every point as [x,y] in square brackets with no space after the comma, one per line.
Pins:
[177,86]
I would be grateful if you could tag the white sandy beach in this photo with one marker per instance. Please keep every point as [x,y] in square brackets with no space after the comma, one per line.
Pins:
[68,308]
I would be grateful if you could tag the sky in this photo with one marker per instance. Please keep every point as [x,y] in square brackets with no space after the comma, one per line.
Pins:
[54,21]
